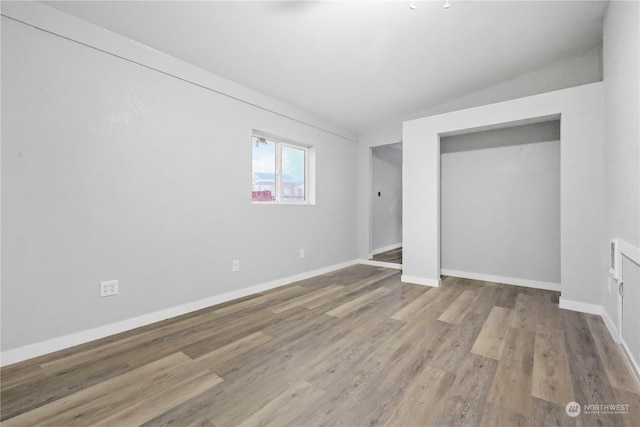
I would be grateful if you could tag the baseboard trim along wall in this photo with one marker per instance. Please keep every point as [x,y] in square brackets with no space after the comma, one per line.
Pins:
[549,286]
[631,362]
[610,324]
[582,307]
[380,264]
[386,248]
[420,281]
[30,351]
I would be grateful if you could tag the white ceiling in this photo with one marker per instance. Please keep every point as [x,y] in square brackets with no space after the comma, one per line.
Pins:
[357,63]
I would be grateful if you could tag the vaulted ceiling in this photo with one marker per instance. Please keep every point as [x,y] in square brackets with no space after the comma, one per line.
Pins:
[357,63]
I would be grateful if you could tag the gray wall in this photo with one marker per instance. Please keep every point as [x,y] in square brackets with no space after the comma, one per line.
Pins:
[581,177]
[113,171]
[500,202]
[568,72]
[622,148]
[386,169]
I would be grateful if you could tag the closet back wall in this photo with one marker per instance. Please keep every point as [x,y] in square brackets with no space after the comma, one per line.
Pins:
[500,204]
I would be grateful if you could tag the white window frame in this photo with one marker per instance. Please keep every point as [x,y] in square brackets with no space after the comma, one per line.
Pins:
[309,173]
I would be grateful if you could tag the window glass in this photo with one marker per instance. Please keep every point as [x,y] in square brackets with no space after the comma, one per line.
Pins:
[280,171]
[293,173]
[264,169]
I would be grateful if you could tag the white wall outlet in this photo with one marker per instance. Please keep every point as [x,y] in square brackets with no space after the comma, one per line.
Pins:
[108,288]
[235,265]
[301,253]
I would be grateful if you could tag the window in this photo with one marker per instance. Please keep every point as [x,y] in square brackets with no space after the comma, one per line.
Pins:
[280,170]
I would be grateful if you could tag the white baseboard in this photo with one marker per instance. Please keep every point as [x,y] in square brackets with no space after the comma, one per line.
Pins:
[49,346]
[631,362]
[582,307]
[610,324]
[420,280]
[386,248]
[549,286]
[380,264]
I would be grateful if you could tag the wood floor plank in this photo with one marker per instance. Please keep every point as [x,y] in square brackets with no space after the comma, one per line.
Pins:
[548,311]
[439,301]
[348,353]
[234,349]
[295,322]
[631,413]
[455,347]
[350,290]
[130,342]
[551,375]
[267,375]
[508,296]
[15,377]
[526,312]
[386,386]
[589,379]
[409,337]
[392,255]
[156,403]
[398,297]
[490,342]
[285,291]
[407,311]
[357,303]
[465,402]
[545,413]
[613,361]
[503,356]
[196,343]
[306,298]
[460,307]
[87,406]
[200,422]
[285,407]
[511,387]
[487,298]
[494,415]
[246,393]
[24,397]
[417,405]
[190,412]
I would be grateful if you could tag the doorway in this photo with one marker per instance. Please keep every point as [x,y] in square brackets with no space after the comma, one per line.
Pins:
[386,204]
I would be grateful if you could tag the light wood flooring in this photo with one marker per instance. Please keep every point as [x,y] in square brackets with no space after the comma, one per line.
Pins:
[355,347]
[393,256]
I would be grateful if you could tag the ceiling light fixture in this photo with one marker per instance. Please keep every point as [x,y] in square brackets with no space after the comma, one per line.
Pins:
[447,5]
[413,5]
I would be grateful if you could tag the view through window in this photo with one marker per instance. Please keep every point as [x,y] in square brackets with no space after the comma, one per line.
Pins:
[278,171]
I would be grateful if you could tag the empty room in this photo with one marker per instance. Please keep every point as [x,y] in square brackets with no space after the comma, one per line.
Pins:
[318,213]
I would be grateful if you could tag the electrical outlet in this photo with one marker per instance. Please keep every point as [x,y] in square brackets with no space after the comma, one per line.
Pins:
[301,253]
[235,265]
[108,288]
